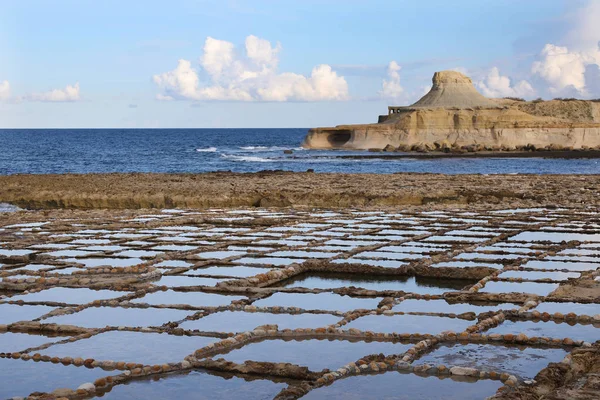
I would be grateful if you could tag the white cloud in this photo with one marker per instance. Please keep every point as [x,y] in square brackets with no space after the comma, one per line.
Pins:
[496,85]
[585,29]
[68,94]
[565,66]
[4,90]
[564,69]
[391,88]
[252,76]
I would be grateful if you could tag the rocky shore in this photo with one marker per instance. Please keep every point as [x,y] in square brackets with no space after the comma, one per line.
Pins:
[283,189]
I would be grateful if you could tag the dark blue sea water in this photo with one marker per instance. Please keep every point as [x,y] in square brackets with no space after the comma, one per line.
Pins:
[40,151]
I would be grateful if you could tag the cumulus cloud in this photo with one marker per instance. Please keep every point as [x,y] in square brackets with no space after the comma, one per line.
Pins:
[496,85]
[252,76]
[4,90]
[391,88]
[585,29]
[68,94]
[566,68]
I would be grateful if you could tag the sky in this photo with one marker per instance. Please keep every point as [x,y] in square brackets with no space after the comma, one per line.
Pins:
[268,63]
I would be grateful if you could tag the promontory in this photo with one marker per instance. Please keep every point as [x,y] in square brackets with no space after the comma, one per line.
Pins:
[455,116]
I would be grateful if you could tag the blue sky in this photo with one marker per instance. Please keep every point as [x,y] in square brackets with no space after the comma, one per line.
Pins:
[78,63]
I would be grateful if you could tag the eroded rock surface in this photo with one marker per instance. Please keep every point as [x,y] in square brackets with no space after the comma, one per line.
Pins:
[454,116]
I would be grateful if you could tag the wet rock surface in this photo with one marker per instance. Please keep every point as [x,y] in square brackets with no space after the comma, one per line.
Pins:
[285,303]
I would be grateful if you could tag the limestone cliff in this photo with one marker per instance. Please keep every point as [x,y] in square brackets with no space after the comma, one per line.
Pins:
[453,115]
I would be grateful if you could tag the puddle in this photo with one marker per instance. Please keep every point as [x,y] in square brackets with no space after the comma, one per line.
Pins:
[532,275]
[138,347]
[486,256]
[374,263]
[17,342]
[269,261]
[69,295]
[441,246]
[99,317]
[38,267]
[588,333]
[27,225]
[541,289]
[219,255]
[407,232]
[197,385]
[8,208]
[374,282]
[489,234]
[288,243]
[320,301]
[249,248]
[575,259]
[466,264]
[314,353]
[555,237]
[174,247]
[70,253]
[506,249]
[103,249]
[239,321]
[56,246]
[138,243]
[113,262]
[376,238]
[523,362]
[196,299]
[66,271]
[91,241]
[11,253]
[558,265]
[234,271]
[351,243]
[25,377]
[303,254]
[10,313]
[388,255]
[590,309]
[442,306]
[137,254]
[422,324]
[411,249]
[459,239]
[405,386]
[184,280]
[174,264]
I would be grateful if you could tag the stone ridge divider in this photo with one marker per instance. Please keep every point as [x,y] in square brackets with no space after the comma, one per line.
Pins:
[426,342]
[367,364]
[100,385]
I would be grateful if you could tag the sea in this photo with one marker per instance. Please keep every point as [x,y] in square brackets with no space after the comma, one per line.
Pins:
[59,151]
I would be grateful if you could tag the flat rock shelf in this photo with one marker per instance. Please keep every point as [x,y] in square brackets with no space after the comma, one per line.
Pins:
[286,303]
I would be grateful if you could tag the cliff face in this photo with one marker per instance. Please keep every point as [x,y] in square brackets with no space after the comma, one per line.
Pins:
[454,114]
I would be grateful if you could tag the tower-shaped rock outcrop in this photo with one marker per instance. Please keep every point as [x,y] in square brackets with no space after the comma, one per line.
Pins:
[452,89]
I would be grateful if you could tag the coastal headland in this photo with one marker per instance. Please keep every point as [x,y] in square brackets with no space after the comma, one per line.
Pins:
[455,117]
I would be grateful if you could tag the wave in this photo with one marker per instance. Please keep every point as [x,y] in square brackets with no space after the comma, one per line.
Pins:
[207,150]
[254,147]
[246,158]
[269,148]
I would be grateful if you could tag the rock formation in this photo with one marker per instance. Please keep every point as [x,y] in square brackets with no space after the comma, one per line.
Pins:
[453,115]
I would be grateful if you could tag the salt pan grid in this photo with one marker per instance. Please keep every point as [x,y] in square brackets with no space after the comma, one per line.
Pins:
[246,300]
